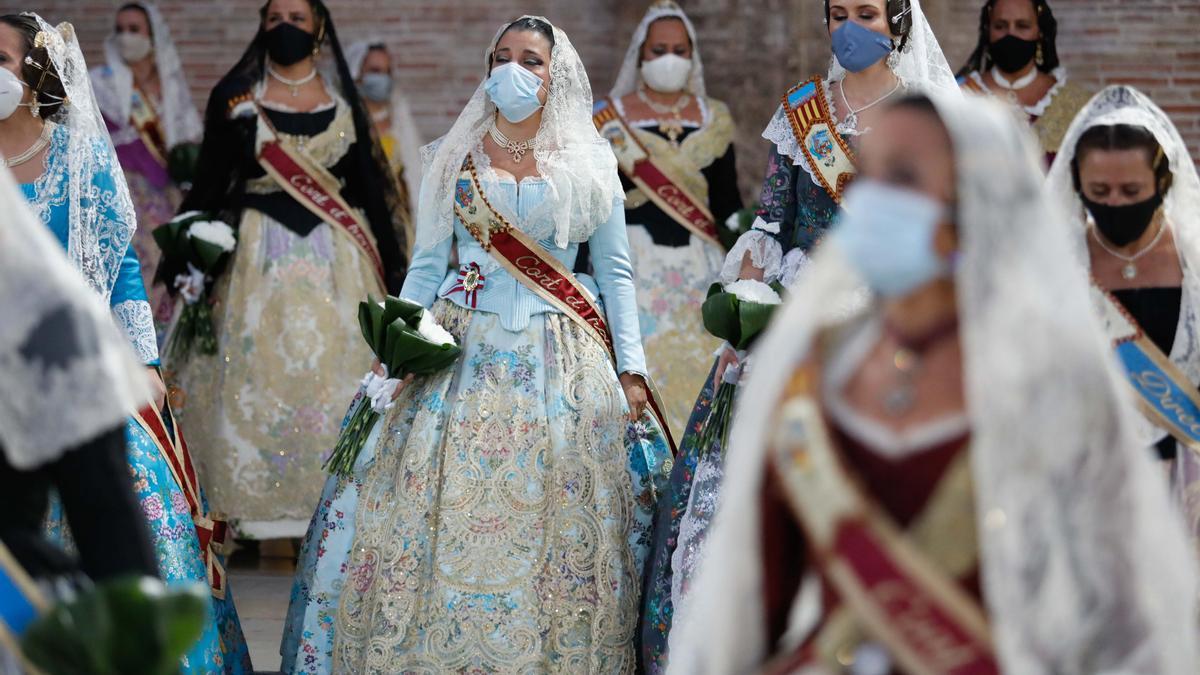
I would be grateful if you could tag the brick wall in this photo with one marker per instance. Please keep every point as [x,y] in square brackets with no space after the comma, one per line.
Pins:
[754,49]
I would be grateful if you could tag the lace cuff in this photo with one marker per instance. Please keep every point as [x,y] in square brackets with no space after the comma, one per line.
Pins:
[793,263]
[136,321]
[765,253]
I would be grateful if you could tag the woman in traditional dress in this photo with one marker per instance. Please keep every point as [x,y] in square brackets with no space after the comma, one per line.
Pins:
[1016,59]
[289,156]
[940,474]
[147,106]
[503,524]
[674,145]
[880,49]
[56,328]
[374,72]
[54,140]
[1132,195]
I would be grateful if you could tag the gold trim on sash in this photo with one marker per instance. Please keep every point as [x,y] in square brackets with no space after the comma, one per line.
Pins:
[317,190]
[652,178]
[145,120]
[900,595]
[813,125]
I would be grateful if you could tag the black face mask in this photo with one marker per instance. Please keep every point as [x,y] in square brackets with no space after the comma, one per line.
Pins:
[1010,53]
[287,44]
[1122,225]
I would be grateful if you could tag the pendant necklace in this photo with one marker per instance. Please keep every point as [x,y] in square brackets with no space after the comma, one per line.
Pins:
[850,121]
[1129,271]
[42,141]
[901,397]
[670,118]
[514,148]
[293,85]
[1011,88]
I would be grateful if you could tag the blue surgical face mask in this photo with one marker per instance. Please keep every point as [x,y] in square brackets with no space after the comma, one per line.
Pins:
[376,87]
[514,90]
[887,234]
[858,48]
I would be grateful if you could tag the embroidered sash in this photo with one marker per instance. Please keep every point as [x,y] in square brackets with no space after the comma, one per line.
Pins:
[144,119]
[316,189]
[813,126]
[21,601]
[1165,394]
[922,616]
[638,165]
[538,271]
[211,531]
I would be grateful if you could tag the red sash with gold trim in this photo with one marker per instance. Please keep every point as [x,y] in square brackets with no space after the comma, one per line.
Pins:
[537,270]
[636,162]
[316,189]
[924,618]
[212,532]
[144,119]
[828,155]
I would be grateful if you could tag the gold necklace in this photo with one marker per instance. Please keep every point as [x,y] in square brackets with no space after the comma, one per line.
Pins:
[514,148]
[670,120]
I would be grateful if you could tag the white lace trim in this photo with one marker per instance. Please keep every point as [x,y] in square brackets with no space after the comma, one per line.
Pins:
[795,262]
[136,320]
[765,253]
[705,116]
[1037,109]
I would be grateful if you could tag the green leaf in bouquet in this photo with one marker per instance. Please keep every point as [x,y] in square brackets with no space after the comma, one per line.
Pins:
[721,316]
[410,353]
[753,318]
[370,320]
[207,254]
[400,308]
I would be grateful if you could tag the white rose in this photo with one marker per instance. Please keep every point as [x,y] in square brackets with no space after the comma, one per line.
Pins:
[430,330]
[752,290]
[214,232]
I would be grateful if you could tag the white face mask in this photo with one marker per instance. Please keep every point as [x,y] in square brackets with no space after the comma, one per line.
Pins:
[667,74]
[133,47]
[12,89]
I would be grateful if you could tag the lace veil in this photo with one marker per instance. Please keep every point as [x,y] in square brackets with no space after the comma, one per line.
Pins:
[1084,566]
[920,65]
[407,135]
[630,73]
[101,215]
[578,165]
[180,119]
[68,374]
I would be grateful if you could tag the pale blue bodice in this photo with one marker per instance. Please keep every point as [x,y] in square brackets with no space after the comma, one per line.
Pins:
[429,277]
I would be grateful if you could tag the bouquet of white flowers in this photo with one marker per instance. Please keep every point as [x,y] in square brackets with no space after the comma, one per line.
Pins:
[195,247]
[407,340]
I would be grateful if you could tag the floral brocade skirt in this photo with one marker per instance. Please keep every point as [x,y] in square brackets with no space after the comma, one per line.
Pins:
[222,645]
[504,523]
[672,283]
[263,413]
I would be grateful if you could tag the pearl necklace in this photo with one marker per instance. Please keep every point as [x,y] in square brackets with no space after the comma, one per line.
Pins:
[514,148]
[1011,88]
[1130,271]
[851,119]
[670,118]
[42,141]
[294,85]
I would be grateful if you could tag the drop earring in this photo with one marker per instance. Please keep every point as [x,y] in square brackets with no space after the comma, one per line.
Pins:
[1040,60]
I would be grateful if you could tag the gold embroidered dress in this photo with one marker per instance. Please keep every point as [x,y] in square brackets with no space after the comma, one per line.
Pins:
[264,412]
[673,268]
[1051,115]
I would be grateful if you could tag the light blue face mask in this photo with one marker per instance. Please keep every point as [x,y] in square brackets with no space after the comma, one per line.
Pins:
[514,90]
[376,87]
[858,48]
[887,234]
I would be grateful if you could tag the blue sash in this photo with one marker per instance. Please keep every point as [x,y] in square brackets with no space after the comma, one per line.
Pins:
[1165,394]
[20,601]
